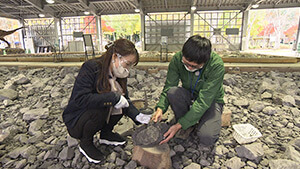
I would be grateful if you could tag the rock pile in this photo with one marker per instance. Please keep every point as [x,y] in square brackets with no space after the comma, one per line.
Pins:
[33,135]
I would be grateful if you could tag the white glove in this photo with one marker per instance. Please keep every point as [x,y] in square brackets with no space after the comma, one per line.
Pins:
[143,118]
[122,103]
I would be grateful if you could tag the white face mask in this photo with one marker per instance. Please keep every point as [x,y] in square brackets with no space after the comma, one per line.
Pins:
[120,72]
[193,70]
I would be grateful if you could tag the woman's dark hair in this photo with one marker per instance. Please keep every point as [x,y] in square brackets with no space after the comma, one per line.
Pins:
[122,46]
[197,49]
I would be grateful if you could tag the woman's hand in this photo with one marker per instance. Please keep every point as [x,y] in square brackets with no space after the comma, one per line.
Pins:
[157,116]
[171,132]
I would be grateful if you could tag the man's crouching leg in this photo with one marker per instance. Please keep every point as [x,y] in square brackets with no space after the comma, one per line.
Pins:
[209,127]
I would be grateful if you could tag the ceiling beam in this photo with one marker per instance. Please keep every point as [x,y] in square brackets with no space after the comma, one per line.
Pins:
[15,2]
[6,14]
[278,2]
[68,5]
[88,6]
[133,4]
[38,4]
[17,7]
[194,2]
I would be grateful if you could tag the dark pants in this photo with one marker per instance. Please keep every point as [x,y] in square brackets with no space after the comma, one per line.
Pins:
[209,126]
[92,121]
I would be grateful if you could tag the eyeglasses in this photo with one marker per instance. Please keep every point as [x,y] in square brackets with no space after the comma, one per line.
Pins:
[127,63]
[123,60]
[192,66]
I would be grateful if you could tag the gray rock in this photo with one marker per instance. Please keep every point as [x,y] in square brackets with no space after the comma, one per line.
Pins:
[34,114]
[268,85]
[149,135]
[293,150]
[204,162]
[28,151]
[112,157]
[179,148]
[251,164]
[172,153]
[8,94]
[66,154]
[51,154]
[71,141]
[35,126]
[266,95]
[16,152]
[193,166]
[120,162]
[295,112]
[288,100]
[68,79]
[64,103]
[132,164]
[4,134]
[139,78]
[20,79]
[297,121]
[283,164]
[278,98]
[252,151]
[10,85]
[21,164]
[234,163]
[229,79]
[256,106]
[241,102]
[269,110]
[228,90]
[8,102]
[221,150]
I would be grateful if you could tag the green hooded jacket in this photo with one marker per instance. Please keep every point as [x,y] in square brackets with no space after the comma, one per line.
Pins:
[208,89]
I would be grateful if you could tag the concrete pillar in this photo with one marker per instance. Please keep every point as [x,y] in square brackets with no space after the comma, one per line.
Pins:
[22,33]
[99,33]
[142,30]
[61,34]
[245,31]
[56,24]
[192,22]
[297,45]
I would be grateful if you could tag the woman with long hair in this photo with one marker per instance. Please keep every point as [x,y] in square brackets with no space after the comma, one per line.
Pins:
[100,98]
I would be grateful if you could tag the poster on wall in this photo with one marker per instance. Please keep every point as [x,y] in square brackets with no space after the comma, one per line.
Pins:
[15,38]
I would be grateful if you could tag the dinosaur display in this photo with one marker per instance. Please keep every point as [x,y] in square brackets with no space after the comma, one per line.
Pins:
[4,33]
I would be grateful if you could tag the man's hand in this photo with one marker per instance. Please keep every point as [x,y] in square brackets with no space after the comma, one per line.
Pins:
[157,115]
[171,132]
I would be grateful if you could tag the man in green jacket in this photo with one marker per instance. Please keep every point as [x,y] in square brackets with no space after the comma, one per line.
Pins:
[199,102]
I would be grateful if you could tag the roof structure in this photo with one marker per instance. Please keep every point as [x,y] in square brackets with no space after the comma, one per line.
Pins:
[22,9]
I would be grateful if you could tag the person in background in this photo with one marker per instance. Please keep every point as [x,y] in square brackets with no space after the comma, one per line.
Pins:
[100,98]
[198,104]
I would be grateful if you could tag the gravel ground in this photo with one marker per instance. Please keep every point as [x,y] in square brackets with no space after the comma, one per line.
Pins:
[33,135]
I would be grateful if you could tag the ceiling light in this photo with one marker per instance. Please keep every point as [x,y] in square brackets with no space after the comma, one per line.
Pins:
[137,10]
[50,1]
[86,12]
[41,15]
[255,6]
[193,8]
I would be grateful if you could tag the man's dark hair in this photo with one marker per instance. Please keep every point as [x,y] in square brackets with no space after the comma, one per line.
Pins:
[197,49]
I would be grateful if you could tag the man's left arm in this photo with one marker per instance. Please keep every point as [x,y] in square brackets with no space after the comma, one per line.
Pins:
[205,98]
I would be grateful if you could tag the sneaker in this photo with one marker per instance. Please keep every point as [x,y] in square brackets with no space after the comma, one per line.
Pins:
[111,138]
[91,153]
